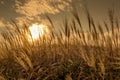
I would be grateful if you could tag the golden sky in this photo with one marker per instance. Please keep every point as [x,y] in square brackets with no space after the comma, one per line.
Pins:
[35,10]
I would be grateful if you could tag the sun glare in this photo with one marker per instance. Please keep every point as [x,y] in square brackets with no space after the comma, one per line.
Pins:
[37,31]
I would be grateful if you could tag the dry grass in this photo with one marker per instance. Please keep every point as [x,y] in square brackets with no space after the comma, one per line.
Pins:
[73,54]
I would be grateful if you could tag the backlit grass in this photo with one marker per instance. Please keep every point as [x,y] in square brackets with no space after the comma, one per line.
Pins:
[70,54]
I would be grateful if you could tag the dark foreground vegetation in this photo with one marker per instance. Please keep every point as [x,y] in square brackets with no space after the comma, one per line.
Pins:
[72,54]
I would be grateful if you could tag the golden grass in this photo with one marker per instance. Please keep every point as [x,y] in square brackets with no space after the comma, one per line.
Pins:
[73,54]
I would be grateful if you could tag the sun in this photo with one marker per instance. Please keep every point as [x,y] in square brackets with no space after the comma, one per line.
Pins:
[37,31]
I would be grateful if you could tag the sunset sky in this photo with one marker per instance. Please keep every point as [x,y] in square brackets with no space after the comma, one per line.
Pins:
[33,11]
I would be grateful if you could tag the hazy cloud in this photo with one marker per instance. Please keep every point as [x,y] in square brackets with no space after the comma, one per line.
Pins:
[2,24]
[32,8]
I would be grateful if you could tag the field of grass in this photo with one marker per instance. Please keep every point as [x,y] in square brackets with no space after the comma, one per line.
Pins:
[72,54]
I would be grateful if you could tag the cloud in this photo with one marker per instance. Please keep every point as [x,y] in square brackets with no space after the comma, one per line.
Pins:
[2,24]
[32,11]
[5,25]
[32,8]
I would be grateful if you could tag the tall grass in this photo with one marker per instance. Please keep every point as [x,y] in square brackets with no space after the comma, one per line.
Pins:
[69,54]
